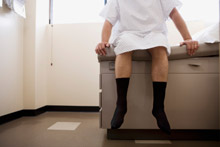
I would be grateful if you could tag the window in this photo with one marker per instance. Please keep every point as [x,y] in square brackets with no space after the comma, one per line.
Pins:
[205,10]
[87,11]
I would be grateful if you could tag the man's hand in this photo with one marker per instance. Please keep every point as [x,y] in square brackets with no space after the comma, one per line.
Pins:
[106,33]
[100,48]
[191,45]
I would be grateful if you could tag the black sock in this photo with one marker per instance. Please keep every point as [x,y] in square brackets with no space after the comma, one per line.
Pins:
[159,90]
[121,104]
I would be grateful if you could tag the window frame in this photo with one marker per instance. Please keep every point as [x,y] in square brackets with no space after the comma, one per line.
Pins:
[51,12]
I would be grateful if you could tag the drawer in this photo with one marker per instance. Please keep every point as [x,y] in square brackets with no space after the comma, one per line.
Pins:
[202,65]
[193,98]
[108,67]
[199,65]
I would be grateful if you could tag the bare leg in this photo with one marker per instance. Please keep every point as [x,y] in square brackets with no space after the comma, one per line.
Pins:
[123,65]
[159,64]
[159,78]
[122,75]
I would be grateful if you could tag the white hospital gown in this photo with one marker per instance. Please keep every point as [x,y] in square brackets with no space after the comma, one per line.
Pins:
[139,24]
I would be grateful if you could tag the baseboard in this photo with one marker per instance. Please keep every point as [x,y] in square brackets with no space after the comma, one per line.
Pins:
[11,116]
[34,112]
[73,108]
[156,134]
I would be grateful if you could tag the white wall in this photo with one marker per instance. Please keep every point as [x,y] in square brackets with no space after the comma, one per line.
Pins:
[24,57]
[29,55]
[36,60]
[42,49]
[74,76]
[11,61]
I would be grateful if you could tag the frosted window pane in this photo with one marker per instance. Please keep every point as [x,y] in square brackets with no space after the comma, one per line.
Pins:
[77,11]
[87,11]
[206,10]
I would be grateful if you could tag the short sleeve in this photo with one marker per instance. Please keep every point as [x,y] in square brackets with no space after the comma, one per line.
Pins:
[111,11]
[168,5]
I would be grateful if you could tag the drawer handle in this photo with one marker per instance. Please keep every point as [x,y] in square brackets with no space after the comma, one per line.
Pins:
[111,65]
[195,64]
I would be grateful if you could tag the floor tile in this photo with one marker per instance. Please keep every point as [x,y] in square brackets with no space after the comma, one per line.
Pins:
[70,126]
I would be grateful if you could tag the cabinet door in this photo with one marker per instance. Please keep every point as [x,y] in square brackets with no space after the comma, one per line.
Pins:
[191,101]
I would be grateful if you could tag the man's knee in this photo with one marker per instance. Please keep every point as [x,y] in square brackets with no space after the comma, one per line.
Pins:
[126,54]
[158,52]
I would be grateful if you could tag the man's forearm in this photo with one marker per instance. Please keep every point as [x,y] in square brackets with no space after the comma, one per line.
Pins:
[106,31]
[180,24]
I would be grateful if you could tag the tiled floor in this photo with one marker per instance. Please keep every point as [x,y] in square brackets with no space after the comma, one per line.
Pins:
[34,132]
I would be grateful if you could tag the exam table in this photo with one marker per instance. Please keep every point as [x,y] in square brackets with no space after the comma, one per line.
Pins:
[192,95]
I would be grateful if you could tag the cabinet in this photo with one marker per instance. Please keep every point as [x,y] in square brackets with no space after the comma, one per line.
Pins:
[191,96]
[191,102]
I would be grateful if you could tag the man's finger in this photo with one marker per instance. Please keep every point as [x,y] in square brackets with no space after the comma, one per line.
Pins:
[99,52]
[99,49]
[102,52]
[197,45]
[188,46]
[191,46]
[192,50]
[189,53]
[103,45]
